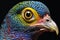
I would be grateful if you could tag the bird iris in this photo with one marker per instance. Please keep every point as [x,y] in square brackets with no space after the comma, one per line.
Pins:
[28,14]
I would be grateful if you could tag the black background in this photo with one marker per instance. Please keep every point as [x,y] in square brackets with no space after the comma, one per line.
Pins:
[53,5]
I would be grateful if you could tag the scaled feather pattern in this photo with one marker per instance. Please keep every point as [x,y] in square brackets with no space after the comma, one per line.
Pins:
[25,20]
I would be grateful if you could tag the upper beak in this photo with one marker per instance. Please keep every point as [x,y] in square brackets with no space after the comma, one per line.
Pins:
[52,26]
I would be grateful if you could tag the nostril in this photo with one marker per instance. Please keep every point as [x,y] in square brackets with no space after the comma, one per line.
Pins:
[47,20]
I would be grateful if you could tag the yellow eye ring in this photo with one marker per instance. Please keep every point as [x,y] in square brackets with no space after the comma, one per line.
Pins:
[33,13]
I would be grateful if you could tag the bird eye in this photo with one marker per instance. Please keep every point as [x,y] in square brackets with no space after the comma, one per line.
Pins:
[28,14]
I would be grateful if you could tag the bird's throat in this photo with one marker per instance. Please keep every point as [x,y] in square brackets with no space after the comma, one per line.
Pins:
[14,35]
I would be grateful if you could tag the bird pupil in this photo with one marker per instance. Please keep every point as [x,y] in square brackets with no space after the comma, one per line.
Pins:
[28,14]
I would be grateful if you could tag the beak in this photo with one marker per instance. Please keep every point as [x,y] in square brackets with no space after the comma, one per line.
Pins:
[52,26]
